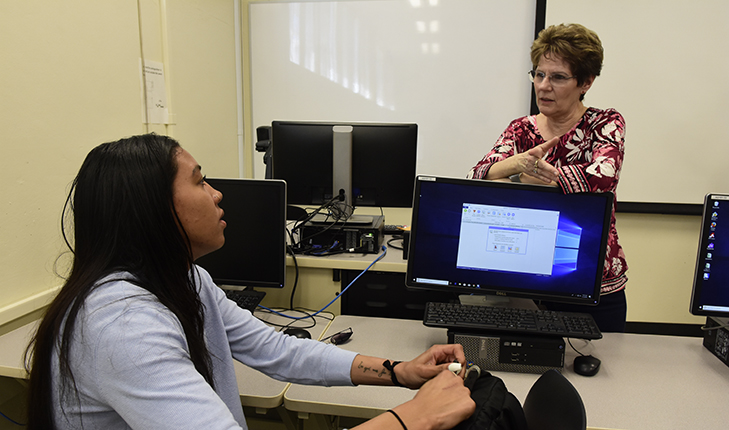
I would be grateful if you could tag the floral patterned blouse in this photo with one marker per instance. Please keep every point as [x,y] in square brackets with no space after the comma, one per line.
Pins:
[588,157]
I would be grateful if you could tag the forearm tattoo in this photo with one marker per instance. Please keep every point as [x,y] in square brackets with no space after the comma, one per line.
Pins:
[379,371]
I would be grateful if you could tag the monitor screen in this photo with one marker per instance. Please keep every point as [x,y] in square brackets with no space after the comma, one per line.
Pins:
[384,157]
[710,294]
[254,253]
[508,239]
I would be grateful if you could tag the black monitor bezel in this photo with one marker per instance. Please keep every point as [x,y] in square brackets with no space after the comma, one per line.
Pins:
[607,198]
[704,241]
[273,213]
[385,170]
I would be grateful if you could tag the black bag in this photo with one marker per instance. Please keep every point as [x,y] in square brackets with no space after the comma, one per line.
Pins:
[496,407]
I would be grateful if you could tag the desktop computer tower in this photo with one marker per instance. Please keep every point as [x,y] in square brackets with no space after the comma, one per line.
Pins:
[364,237]
[510,353]
[716,340]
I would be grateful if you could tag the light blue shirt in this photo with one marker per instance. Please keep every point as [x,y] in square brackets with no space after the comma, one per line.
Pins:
[132,367]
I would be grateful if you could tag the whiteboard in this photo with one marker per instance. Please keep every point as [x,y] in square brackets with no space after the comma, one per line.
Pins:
[457,68]
[665,70]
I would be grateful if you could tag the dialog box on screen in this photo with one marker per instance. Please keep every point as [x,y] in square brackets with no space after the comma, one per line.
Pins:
[507,239]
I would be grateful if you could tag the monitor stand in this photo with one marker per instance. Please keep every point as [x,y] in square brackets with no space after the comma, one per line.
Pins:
[500,301]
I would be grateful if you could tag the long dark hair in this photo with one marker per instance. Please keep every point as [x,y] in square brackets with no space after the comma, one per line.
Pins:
[123,220]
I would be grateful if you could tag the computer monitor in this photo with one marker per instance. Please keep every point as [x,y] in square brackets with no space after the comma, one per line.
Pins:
[710,293]
[508,239]
[383,162]
[254,253]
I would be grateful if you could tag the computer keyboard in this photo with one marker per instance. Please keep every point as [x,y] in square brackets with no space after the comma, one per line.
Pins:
[511,320]
[247,299]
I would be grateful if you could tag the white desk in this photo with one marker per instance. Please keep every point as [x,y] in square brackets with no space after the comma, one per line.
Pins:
[12,350]
[379,337]
[645,382]
[258,390]
[391,262]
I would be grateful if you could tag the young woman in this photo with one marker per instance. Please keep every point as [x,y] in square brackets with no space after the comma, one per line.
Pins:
[140,337]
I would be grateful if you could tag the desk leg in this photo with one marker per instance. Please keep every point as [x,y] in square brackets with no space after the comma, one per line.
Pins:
[290,419]
[13,403]
[322,422]
[305,421]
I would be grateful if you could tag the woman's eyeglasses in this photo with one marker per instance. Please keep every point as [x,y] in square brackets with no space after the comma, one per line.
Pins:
[557,79]
[340,337]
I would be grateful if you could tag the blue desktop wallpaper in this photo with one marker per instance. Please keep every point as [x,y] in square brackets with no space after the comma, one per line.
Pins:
[712,267]
[576,273]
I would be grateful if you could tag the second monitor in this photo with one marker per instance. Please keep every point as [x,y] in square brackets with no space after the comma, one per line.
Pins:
[505,239]
[254,253]
[383,162]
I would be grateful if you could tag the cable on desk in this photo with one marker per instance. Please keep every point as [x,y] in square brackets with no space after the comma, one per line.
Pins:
[307,314]
[394,238]
[296,276]
[338,214]
[569,341]
[11,420]
[379,257]
[330,317]
[720,326]
[334,211]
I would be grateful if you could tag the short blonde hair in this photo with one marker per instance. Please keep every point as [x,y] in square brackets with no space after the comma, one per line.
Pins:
[575,44]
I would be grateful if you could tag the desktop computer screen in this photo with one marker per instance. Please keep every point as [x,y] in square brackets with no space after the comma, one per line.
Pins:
[710,294]
[508,239]
[383,162]
[254,253]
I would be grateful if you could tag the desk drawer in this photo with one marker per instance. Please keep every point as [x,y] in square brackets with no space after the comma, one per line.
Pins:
[383,294]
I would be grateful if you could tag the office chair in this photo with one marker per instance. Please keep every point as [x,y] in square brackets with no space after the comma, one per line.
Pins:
[554,403]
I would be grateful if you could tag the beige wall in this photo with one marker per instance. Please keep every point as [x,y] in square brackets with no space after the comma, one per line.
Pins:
[661,252]
[70,80]
[661,249]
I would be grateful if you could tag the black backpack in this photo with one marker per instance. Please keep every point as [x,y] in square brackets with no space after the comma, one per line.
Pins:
[496,407]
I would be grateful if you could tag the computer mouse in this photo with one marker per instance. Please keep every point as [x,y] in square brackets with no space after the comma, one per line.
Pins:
[298,332]
[586,365]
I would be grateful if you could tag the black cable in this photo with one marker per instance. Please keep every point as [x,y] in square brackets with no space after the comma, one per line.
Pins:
[296,277]
[575,349]
[321,315]
[306,315]
[336,211]
[393,239]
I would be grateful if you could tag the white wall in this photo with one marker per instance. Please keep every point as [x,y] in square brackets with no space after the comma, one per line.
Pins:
[456,68]
[70,81]
[663,70]
[663,62]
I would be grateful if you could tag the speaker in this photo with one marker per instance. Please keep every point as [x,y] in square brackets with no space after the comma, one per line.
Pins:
[522,354]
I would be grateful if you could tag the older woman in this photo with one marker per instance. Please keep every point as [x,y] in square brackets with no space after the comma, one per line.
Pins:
[568,145]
